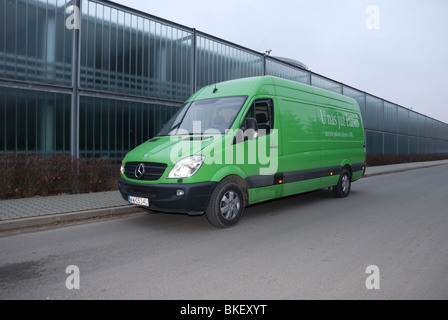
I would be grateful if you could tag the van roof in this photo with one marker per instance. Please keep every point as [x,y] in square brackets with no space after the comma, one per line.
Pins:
[238,87]
[265,85]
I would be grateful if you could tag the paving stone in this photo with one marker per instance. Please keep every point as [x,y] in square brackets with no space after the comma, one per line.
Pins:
[25,208]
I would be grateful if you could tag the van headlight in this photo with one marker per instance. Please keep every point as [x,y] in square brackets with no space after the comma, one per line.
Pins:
[122,167]
[186,168]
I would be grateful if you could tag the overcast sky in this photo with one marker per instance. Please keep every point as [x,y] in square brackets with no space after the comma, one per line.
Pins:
[404,61]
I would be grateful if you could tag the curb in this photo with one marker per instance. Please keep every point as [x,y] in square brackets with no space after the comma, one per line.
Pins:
[380,173]
[10,225]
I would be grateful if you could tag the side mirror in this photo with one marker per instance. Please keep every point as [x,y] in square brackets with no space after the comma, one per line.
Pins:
[251,123]
[251,132]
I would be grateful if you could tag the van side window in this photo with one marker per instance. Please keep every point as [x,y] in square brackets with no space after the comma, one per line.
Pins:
[263,111]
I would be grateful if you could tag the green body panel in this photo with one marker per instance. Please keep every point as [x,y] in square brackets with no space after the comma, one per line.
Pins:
[265,193]
[314,130]
[301,186]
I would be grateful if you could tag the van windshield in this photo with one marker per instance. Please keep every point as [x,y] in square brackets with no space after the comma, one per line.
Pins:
[211,115]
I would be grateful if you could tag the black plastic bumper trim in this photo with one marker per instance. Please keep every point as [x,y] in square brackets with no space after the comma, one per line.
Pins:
[164,198]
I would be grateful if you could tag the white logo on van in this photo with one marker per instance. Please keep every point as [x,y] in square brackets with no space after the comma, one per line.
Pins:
[340,119]
[337,124]
[261,148]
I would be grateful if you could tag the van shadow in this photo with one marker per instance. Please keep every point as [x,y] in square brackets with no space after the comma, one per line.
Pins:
[170,222]
[295,204]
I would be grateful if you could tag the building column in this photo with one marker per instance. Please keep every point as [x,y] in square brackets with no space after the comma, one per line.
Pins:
[74,114]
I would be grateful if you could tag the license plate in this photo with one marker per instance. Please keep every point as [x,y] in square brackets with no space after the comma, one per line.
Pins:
[139,201]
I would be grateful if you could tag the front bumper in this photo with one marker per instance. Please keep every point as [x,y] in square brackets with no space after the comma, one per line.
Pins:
[164,198]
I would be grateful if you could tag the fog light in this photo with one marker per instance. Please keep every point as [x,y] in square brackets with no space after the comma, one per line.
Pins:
[180,193]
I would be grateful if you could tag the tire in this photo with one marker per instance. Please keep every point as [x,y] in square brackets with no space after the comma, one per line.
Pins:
[226,205]
[342,189]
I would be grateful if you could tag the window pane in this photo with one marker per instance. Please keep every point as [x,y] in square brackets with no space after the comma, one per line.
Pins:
[326,84]
[34,122]
[218,61]
[113,127]
[126,53]
[374,113]
[35,44]
[279,69]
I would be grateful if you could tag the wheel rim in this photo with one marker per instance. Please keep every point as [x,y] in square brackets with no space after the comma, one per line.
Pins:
[230,205]
[345,184]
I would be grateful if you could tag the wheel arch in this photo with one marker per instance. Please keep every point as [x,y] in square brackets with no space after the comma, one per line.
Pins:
[235,174]
[241,183]
[346,164]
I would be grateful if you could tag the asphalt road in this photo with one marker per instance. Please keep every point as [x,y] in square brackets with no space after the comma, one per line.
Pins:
[311,246]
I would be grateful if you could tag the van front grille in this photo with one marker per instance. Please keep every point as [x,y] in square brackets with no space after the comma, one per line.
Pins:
[148,171]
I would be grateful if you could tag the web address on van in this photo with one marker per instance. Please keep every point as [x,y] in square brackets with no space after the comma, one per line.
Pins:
[338,134]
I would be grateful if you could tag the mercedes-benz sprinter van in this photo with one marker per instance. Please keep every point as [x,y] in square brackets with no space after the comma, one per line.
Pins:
[245,141]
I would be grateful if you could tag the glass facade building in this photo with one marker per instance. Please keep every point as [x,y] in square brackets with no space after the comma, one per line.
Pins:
[99,83]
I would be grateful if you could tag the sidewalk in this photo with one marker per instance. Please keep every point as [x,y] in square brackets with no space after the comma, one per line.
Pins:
[33,212]
[24,213]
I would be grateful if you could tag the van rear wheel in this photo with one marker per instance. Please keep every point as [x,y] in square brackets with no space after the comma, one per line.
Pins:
[226,205]
[342,189]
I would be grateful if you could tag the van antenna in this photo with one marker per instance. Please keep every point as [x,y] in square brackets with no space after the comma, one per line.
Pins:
[216,89]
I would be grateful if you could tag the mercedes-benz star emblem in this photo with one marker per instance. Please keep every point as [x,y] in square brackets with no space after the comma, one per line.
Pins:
[140,171]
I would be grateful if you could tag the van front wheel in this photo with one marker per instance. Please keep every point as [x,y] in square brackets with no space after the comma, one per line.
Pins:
[342,189]
[226,205]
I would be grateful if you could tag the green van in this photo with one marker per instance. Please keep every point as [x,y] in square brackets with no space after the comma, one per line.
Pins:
[245,141]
